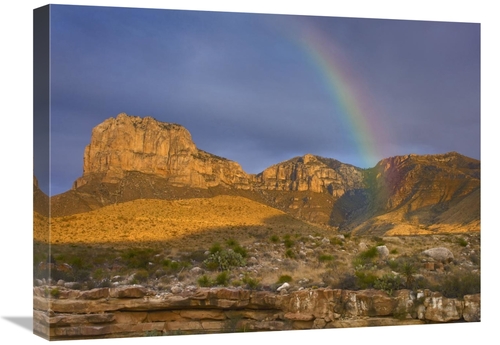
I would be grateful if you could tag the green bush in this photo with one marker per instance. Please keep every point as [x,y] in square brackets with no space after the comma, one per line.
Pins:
[222,278]
[408,270]
[462,242]
[365,280]
[274,239]
[240,250]
[251,283]
[325,257]
[388,283]
[288,242]
[216,247]
[98,274]
[55,292]
[224,260]
[137,257]
[232,242]
[289,253]
[205,281]
[369,254]
[284,279]
[458,284]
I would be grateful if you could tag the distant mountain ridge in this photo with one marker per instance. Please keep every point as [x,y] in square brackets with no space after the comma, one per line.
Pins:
[130,158]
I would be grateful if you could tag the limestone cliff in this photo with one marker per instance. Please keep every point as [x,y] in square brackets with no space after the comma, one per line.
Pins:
[311,173]
[133,144]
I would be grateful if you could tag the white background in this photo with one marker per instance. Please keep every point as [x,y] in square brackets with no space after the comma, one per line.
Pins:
[16,168]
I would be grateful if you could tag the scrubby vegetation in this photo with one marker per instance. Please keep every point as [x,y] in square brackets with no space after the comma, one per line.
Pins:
[317,259]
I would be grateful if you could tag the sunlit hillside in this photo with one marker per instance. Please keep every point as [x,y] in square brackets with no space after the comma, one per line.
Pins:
[193,221]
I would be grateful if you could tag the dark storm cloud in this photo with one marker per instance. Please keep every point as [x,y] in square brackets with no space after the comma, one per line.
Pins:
[247,91]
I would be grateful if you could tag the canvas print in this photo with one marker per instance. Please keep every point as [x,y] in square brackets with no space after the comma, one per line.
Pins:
[201,172]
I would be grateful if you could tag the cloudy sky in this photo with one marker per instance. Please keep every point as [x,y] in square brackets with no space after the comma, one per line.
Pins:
[262,88]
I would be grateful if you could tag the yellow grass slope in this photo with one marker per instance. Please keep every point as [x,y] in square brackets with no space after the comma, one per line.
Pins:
[204,219]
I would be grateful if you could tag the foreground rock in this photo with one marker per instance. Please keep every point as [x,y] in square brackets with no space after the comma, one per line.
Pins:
[135,311]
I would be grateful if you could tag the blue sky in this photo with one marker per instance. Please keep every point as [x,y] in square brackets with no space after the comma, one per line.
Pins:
[247,87]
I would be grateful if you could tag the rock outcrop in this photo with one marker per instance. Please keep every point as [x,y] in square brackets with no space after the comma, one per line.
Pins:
[311,173]
[133,144]
[135,311]
[130,158]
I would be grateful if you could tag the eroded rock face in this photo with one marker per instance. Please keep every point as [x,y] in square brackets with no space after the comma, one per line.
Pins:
[311,173]
[130,143]
[134,310]
[129,157]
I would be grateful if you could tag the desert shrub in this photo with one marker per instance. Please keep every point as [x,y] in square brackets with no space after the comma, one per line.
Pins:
[141,276]
[407,266]
[462,242]
[408,270]
[252,283]
[55,292]
[388,283]
[222,278]
[325,257]
[285,278]
[288,242]
[347,281]
[458,284]
[240,250]
[274,239]
[215,248]
[393,264]
[81,275]
[171,266]
[289,253]
[232,243]
[98,274]
[77,263]
[224,260]
[205,281]
[365,280]
[137,257]
[369,254]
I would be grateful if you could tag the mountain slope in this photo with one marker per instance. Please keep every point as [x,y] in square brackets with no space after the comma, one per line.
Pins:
[132,158]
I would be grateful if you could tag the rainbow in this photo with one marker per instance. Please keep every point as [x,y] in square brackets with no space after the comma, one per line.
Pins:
[354,106]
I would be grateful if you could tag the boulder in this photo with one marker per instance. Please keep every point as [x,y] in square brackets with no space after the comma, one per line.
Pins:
[439,254]
[383,252]
[285,286]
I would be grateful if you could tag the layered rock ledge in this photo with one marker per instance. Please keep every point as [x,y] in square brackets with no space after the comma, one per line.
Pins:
[136,311]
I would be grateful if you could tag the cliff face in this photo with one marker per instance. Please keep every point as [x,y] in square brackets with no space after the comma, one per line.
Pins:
[420,181]
[422,192]
[132,144]
[311,173]
[129,158]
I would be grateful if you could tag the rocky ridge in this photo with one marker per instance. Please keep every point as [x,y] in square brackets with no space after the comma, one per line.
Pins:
[129,157]
[136,311]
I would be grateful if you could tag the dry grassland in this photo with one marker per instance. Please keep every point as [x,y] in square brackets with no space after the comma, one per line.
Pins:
[190,222]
